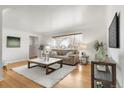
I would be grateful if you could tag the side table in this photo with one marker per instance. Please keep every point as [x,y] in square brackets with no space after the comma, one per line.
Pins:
[84,60]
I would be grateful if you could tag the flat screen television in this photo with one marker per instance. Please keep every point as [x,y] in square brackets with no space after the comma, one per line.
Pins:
[13,42]
[114,41]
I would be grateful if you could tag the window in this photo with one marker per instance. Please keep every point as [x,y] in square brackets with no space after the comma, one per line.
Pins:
[66,41]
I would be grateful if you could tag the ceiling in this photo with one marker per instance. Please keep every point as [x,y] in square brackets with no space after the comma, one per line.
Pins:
[53,18]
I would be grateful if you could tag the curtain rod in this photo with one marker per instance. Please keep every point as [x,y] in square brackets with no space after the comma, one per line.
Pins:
[66,35]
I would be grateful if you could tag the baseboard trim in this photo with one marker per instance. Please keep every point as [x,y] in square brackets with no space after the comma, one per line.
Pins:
[14,61]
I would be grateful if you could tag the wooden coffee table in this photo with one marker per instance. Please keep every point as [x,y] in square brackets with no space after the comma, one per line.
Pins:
[46,64]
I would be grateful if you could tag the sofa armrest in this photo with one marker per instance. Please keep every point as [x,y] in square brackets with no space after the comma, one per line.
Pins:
[75,58]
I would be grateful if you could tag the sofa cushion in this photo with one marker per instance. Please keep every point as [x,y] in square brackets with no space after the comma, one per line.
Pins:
[59,52]
[69,53]
[69,57]
[62,57]
[53,53]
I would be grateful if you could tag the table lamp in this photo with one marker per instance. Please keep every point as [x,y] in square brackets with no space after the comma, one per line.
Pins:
[82,48]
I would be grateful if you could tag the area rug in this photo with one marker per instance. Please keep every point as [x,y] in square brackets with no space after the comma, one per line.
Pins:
[38,75]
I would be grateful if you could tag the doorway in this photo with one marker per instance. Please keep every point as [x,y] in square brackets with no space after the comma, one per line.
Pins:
[33,48]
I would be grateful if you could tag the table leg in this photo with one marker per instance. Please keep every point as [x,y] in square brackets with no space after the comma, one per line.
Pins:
[61,64]
[28,64]
[47,69]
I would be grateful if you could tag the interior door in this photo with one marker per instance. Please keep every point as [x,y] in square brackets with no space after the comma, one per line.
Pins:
[33,48]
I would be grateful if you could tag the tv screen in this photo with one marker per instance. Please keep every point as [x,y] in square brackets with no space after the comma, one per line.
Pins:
[114,32]
[13,42]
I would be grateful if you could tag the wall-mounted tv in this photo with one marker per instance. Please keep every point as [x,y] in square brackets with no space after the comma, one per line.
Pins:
[114,41]
[13,42]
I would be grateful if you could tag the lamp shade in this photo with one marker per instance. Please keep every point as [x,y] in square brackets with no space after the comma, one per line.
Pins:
[82,46]
[47,48]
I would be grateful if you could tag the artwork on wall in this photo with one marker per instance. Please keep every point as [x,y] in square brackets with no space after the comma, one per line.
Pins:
[13,42]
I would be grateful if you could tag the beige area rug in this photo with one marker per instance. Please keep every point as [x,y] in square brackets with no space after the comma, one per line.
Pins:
[37,74]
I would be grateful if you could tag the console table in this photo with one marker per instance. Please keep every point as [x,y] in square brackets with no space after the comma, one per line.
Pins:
[108,77]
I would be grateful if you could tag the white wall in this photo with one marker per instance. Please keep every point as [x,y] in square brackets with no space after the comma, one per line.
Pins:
[117,55]
[92,26]
[16,54]
[1,74]
[0,35]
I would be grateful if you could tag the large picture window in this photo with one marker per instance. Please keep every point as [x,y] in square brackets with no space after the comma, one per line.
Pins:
[67,41]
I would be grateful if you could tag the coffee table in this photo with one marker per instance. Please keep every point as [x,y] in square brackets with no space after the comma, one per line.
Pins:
[46,64]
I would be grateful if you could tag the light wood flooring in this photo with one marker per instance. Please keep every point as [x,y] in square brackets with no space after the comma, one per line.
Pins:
[78,78]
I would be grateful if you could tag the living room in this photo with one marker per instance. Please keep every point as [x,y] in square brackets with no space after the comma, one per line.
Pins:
[64,33]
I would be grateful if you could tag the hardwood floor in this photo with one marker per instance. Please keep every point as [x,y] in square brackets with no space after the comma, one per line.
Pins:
[78,78]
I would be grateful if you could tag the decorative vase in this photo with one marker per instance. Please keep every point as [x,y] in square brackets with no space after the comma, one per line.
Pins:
[47,52]
[41,55]
[47,57]
[101,54]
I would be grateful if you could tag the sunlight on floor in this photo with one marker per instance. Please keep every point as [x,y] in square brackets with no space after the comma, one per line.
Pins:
[80,68]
